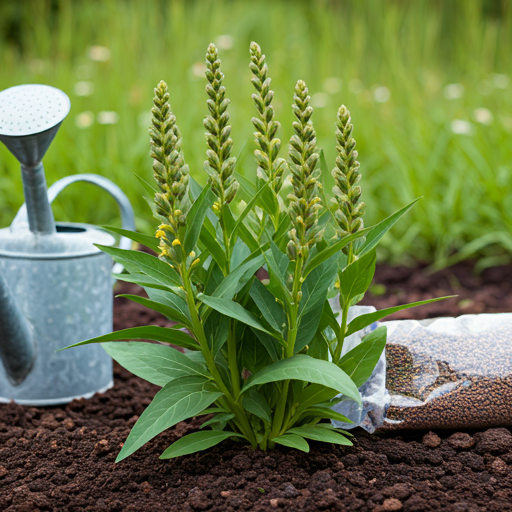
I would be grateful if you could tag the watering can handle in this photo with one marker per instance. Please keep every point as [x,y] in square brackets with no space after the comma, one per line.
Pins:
[125,208]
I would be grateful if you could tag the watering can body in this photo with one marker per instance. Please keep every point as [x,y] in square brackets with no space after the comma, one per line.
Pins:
[55,284]
[61,286]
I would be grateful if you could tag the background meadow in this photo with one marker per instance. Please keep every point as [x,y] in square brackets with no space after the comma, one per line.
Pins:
[428,84]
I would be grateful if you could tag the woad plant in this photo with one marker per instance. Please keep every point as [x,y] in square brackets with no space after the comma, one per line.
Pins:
[263,359]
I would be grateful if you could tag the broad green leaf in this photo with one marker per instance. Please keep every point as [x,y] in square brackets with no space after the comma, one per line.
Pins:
[271,343]
[176,401]
[308,369]
[308,327]
[219,418]
[318,347]
[137,261]
[267,202]
[360,362]
[277,264]
[255,403]
[195,217]
[253,355]
[335,248]
[315,394]
[363,321]
[293,441]
[170,299]
[143,280]
[197,442]
[147,332]
[357,277]
[211,410]
[170,312]
[140,238]
[157,364]
[233,282]
[246,211]
[194,189]
[328,319]
[232,310]
[216,331]
[316,285]
[319,434]
[272,312]
[248,238]
[146,185]
[379,230]
[212,246]
[325,413]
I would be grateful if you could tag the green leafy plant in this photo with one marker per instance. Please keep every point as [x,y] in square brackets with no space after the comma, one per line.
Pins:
[263,359]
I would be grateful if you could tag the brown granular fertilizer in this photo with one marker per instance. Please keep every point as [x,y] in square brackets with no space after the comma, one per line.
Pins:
[438,380]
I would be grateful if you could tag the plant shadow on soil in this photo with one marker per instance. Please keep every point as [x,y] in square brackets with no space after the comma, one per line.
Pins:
[62,458]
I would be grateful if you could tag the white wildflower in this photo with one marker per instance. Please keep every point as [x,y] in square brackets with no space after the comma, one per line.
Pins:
[99,53]
[224,42]
[332,85]
[500,81]
[198,69]
[107,117]
[453,91]
[483,116]
[381,94]
[355,86]
[84,119]
[319,100]
[461,127]
[83,88]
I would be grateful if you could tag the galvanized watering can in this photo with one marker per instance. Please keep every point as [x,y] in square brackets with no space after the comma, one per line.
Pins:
[55,285]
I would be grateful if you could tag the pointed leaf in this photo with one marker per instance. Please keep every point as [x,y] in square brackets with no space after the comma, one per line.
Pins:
[357,277]
[293,441]
[248,208]
[176,401]
[326,413]
[232,310]
[137,261]
[157,364]
[255,403]
[379,230]
[170,312]
[360,362]
[335,248]
[219,418]
[147,332]
[149,241]
[363,321]
[308,369]
[233,282]
[197,442]
[319,434]
[195,217]
[272,312]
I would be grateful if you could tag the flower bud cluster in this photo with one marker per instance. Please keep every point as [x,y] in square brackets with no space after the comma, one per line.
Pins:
[170,171]
[304,201]
[219,164]
[270,167]
[347,193]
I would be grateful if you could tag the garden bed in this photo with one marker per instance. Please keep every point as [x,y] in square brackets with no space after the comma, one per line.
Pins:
[62,458]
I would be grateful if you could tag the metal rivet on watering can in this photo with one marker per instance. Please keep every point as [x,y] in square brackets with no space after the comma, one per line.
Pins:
[55,285]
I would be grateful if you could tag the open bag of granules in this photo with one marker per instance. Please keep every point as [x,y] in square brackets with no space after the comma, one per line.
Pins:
[449,372]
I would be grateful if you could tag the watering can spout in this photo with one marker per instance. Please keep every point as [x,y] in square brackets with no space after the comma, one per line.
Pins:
[16,343]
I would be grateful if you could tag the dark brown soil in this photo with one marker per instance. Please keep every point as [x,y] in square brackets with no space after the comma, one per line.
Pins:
[62,458]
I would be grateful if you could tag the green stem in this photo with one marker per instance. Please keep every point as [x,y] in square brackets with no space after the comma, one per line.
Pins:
[198,330]
[232,359]
[290,347]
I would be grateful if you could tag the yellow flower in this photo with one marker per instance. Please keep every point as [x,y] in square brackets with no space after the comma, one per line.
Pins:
[176,242]
[160,234]
[192,254]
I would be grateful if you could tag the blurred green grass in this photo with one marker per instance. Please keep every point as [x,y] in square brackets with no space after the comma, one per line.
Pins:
[389,61]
